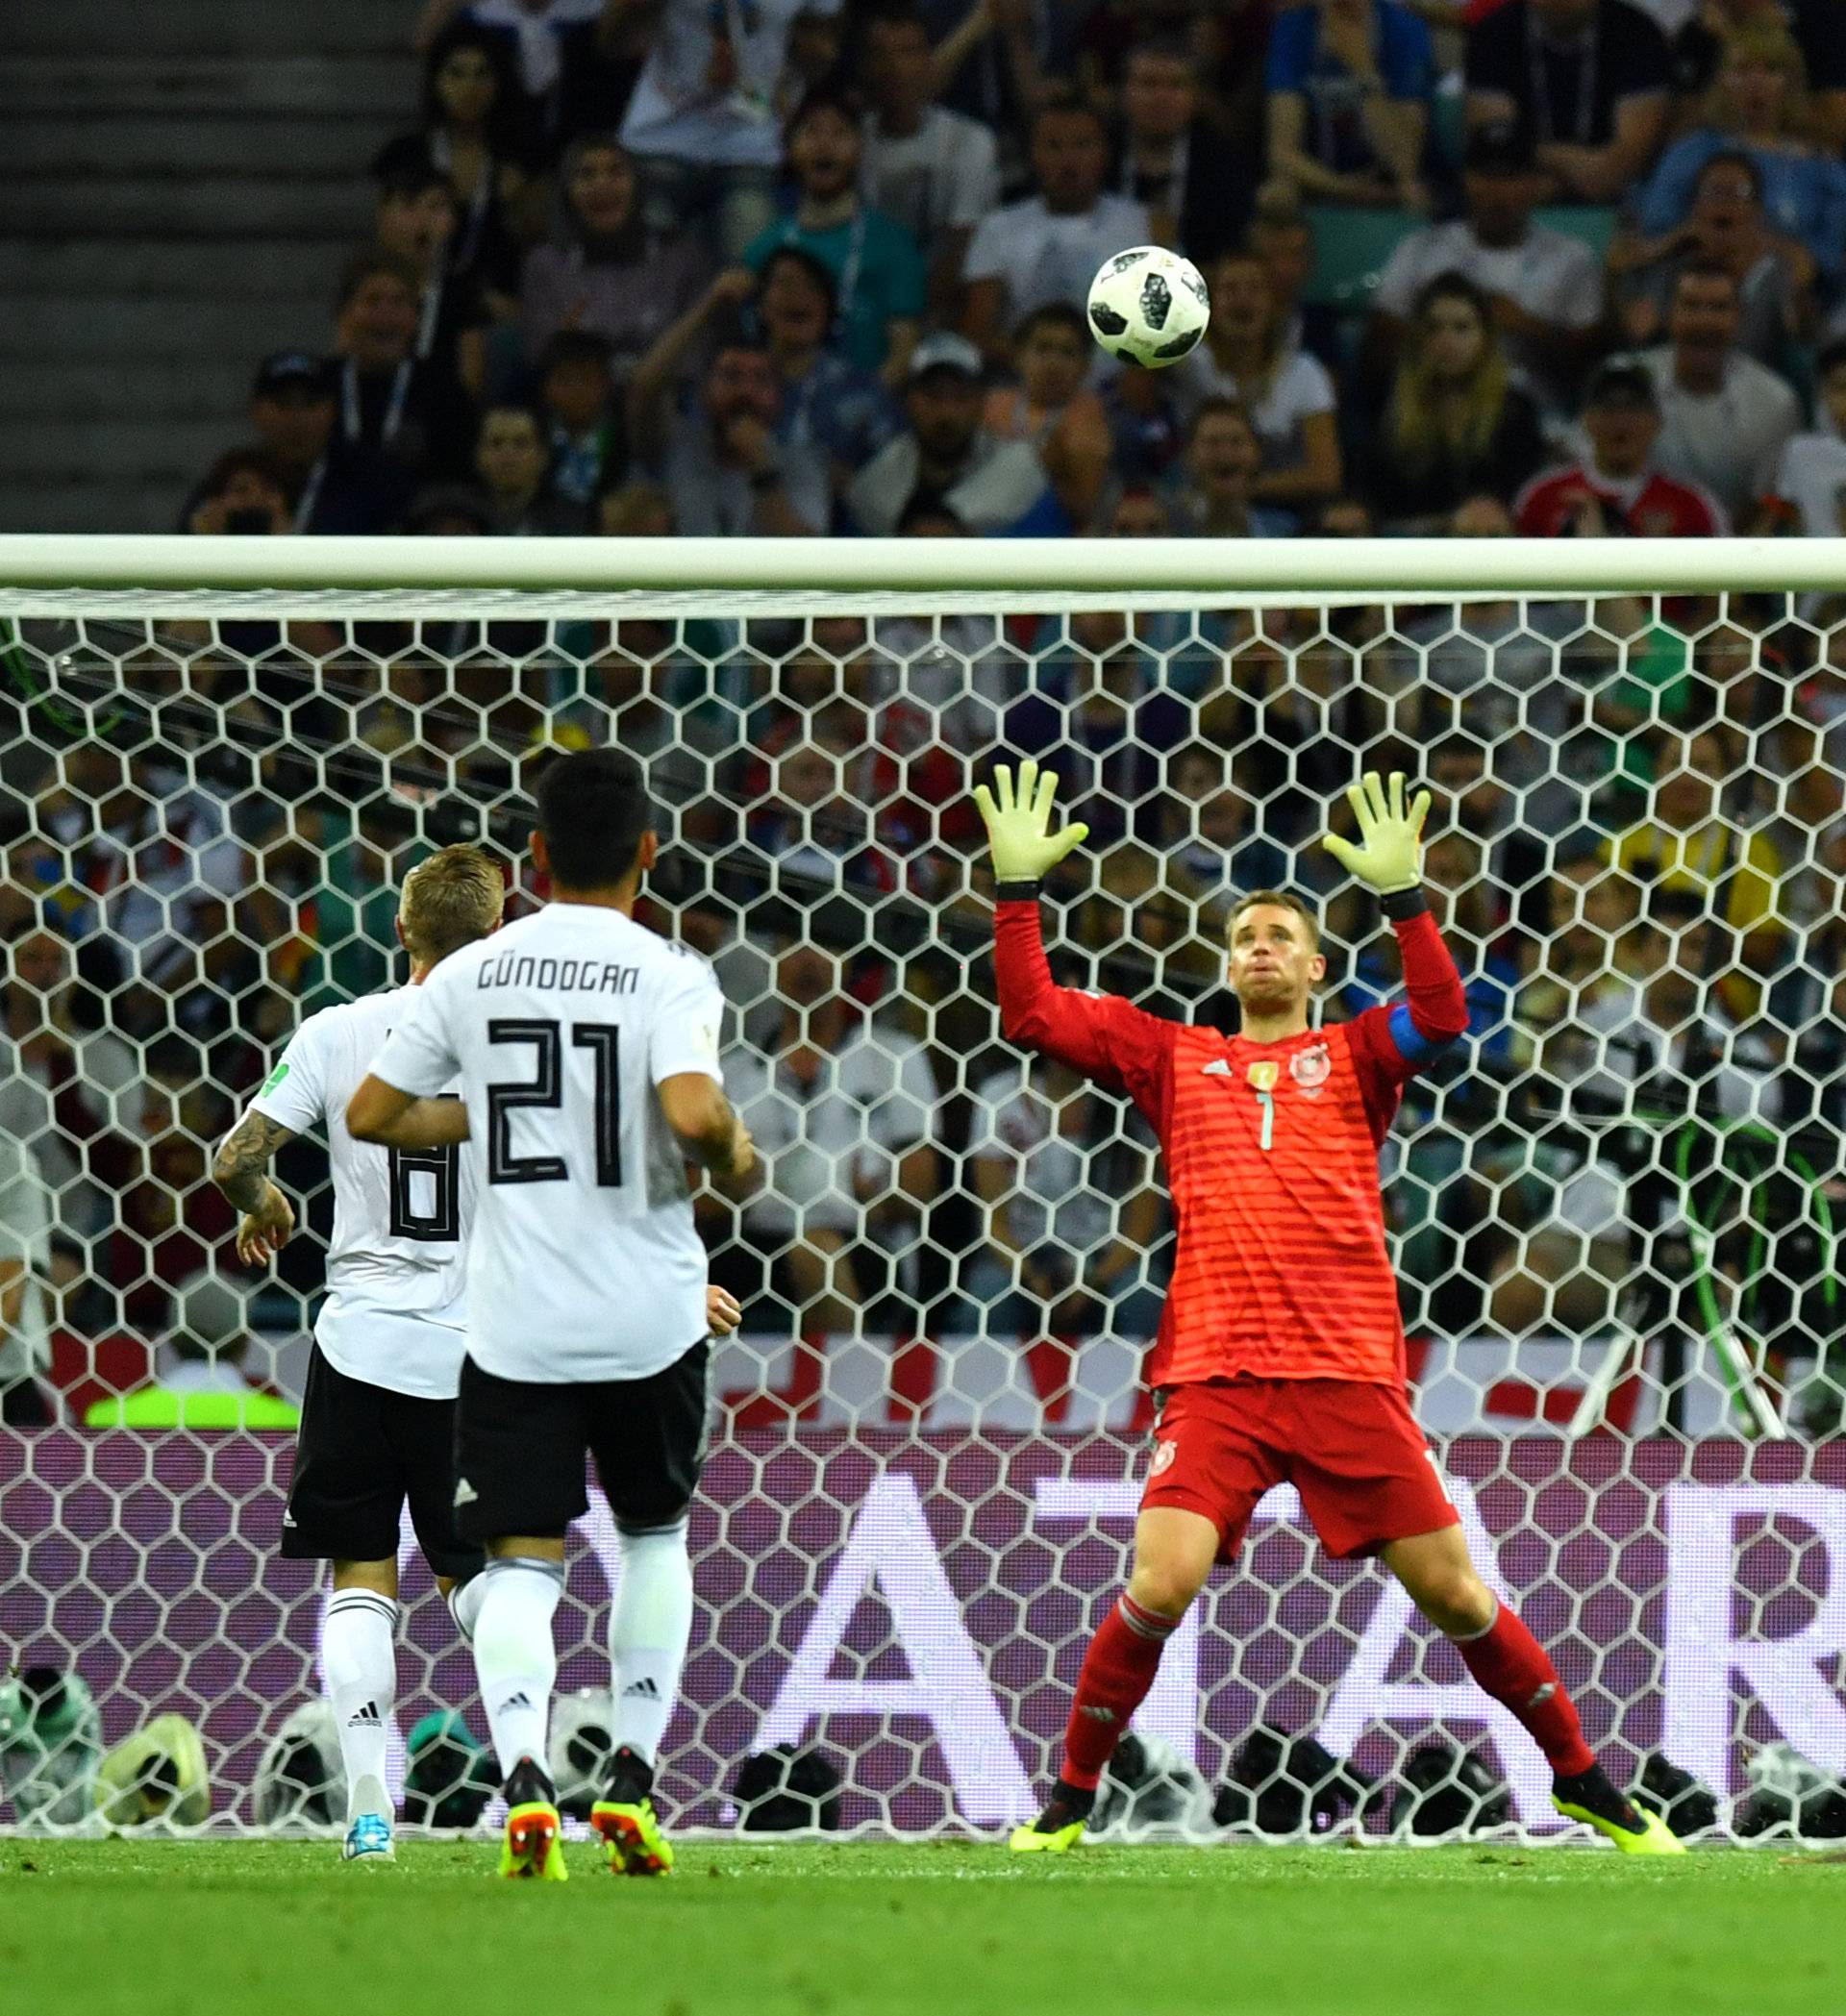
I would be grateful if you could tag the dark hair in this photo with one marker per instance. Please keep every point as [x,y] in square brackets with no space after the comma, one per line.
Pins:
[630,242]
[503,113]
[1218,406]
[593,811]
[244,461]
[574,346]
[923,505]
[1456,285]
[1053,314]
[1830,357]
[893,13]
[408,175]
[368,265]
[814,269]
[1168,47]
[1733,158]
[822,97]
[1062,102]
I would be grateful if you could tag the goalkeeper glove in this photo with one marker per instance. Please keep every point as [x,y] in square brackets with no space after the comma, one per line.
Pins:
[1017,836]
[1388,856]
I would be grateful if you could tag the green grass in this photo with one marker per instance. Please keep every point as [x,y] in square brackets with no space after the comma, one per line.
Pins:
[274,1928]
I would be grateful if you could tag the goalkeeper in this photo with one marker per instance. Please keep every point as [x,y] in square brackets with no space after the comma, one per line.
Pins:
[1280,1352]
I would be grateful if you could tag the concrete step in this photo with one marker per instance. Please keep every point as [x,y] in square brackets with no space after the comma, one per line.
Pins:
[152,448]
[211,269]
[266,28]
[129,386]
[364,86]
[48,326]
[260,205]
[92,503]
[188,144]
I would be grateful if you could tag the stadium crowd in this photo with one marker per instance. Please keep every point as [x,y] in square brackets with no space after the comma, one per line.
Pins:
[656,268]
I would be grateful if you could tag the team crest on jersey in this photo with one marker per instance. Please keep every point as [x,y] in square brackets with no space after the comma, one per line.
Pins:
[1263,1075]
[1164,1454]
[1311,1068]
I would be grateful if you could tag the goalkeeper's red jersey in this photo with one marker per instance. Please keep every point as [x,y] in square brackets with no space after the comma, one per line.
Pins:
[1271,1155]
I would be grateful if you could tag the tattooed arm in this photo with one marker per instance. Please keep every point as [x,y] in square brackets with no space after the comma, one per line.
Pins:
[240,1170]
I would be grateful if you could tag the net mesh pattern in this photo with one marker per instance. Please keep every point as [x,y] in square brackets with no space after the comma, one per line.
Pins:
[1611,1206]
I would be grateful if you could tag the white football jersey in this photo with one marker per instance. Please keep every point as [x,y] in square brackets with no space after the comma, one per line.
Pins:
[585,1262]
[396,1270]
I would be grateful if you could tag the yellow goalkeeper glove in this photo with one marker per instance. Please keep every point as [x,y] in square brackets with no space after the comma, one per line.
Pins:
[1022,847]
[1388,856]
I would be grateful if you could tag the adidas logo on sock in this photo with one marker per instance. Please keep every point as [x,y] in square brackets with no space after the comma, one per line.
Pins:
[518,1701]
[288,1519]
[1096,1714]
[367,1716]
[465,1493]
[644,1689]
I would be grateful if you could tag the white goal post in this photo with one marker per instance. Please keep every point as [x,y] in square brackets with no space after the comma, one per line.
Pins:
[1614,1215]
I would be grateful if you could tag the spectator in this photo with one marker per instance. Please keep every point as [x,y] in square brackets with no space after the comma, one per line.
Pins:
[389,401]
[553,51]
[1053,409]
[1811,477]
[242,492]
[415,219]
[842,1112]
[1049,246]
[582,428]
[1222,459]
[813,832]
[1587,79]
[1726,228]
[992,66]
[1288,395]
[202,1379]
[1545,286]
[513,465]
[1725,418]
[1617,488]
[25,1268]
[1819,29]
[469,131]
[992,485]
[1454,424]
[1282,239]
[637,510]
[606,273]
[1070,1210]
[826,401]
[703,121]
[449,511]
[331,486]
[1351,84]
[1691,846]
[1197,191]
[934,171]
[881,283]
[1757,109]
[721,462]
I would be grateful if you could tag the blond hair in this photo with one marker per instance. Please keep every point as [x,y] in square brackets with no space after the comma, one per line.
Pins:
[1279,899]
[450,900]
[1766,42]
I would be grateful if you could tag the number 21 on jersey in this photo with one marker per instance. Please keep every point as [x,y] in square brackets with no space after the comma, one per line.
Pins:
[1262,1077]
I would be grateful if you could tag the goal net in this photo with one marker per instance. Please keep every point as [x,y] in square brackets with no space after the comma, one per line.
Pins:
[1613,1208]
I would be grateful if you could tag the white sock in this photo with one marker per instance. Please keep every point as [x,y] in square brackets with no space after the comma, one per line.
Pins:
[647,1635]
[358,1663]
[464,1606]
[515,1656]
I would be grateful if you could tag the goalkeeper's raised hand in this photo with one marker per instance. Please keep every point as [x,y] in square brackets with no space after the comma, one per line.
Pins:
[1019,824]
[1389,854]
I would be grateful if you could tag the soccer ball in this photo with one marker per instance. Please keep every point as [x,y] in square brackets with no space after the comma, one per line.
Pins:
[1148,306]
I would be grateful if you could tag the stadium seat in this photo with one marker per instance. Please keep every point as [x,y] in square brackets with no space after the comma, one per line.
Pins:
[1352,248]
[1591,224]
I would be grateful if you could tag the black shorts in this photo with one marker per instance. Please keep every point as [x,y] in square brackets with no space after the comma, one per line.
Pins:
[519,1449]
[362,1450]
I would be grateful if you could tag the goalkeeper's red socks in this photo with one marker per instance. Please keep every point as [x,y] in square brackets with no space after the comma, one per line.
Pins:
[1119,1669]
[1512,1665]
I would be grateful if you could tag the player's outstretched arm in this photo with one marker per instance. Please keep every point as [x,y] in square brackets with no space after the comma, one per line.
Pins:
[1387,857]
[381,1113]
[1116,1043]
[240,1169]
[706,1126]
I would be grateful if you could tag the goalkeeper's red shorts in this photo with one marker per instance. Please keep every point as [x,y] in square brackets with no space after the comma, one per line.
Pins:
[1352,1450]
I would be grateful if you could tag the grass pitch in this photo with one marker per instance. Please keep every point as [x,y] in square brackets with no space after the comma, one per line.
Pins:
[173,1928]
